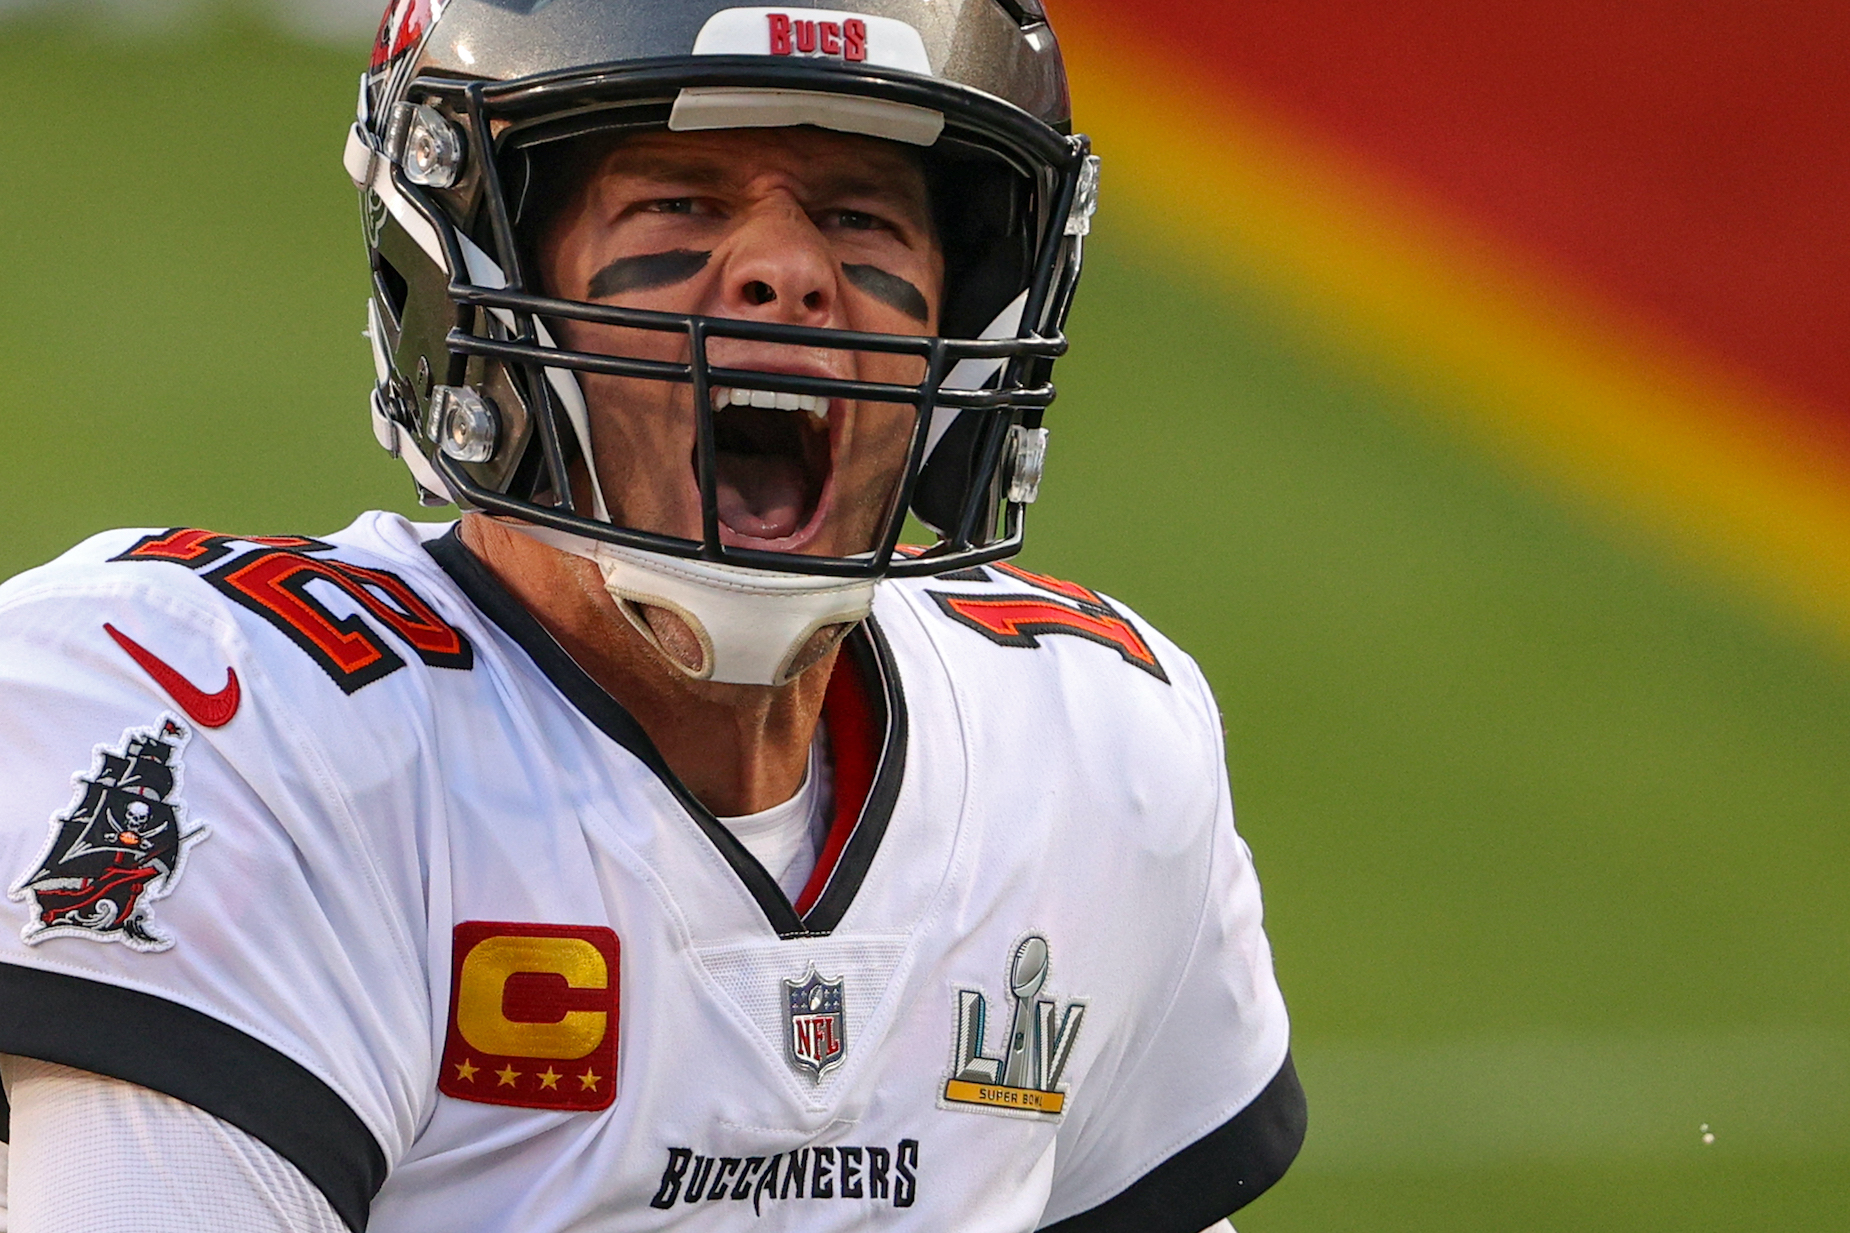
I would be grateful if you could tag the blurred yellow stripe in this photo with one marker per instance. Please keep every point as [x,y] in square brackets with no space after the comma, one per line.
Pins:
[1543,374]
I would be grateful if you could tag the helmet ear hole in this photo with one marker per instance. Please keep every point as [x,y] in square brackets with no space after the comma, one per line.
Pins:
[393,288]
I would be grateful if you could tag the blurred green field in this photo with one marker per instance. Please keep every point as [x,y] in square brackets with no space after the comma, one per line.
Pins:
[1554,831]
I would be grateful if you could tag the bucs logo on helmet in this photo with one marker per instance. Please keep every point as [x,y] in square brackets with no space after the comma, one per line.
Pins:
[403,24]
[118,848]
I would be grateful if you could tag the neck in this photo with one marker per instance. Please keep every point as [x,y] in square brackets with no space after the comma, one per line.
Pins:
[738,748]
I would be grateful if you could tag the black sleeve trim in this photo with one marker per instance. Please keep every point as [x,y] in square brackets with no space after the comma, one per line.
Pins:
[1214,1176]
[208,1064]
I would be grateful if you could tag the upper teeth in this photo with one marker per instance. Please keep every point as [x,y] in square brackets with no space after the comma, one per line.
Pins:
[729,396]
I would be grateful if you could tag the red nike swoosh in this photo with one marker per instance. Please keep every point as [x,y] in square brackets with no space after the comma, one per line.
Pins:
[206,710]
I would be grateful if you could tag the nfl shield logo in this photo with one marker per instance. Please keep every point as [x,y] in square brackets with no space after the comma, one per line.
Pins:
[818,1033]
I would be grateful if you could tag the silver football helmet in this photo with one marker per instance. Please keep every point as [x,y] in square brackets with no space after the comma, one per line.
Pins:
[465,112]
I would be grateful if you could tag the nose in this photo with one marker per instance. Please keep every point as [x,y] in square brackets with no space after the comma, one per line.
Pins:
[779,267]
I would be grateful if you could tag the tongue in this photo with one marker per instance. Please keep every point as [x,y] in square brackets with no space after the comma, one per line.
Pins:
[761,496]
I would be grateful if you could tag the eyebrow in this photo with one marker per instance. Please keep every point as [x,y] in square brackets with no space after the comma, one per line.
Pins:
[647,271]
[890,191]
[663,167]
[889,289]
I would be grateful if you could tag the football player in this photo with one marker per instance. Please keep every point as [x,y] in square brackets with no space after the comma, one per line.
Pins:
[661,845]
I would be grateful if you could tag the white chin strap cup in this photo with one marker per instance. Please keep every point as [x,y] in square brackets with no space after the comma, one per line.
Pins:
[751,624]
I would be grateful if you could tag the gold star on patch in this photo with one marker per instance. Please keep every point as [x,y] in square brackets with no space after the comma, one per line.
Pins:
[465,1070]
[589,1080]
[550,1078]
[508,1075]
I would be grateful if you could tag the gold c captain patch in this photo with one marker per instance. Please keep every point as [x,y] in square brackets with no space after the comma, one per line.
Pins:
[533,1016]
[1026,1077]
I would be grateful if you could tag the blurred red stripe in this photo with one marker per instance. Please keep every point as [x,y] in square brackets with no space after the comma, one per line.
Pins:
[1688,162]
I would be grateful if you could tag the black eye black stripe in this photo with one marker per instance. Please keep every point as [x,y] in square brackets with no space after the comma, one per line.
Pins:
[648,271]
[889,289]
[651,270]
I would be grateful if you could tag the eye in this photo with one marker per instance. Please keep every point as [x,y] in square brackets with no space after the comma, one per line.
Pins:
[855,220]
[671,205]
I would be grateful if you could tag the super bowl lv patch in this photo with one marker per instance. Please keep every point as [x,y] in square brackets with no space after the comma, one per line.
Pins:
[533,1016]
[118,848]
[1025,1078]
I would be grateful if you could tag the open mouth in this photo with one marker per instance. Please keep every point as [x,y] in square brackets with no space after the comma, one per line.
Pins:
[772,456]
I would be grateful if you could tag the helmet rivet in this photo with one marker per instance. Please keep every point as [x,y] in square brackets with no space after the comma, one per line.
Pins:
[1027,453]
[427,146]
[469,428]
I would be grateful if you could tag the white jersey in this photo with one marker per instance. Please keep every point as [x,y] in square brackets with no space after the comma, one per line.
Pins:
[329,839]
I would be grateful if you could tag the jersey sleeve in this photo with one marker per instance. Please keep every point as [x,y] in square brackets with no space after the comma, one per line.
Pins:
[192,904]
[1207,1113]
[172,1166]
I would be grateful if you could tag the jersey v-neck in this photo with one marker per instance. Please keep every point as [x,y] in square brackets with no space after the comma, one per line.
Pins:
[864,709]
[787,837]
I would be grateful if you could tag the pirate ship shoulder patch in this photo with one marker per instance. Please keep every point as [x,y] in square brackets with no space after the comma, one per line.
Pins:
[118,848]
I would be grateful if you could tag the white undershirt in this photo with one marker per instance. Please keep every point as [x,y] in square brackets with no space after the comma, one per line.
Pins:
[786,838]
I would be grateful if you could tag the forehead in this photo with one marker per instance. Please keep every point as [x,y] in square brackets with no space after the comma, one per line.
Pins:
[816,159]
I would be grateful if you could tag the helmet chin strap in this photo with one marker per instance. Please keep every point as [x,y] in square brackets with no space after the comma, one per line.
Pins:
[752,625]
